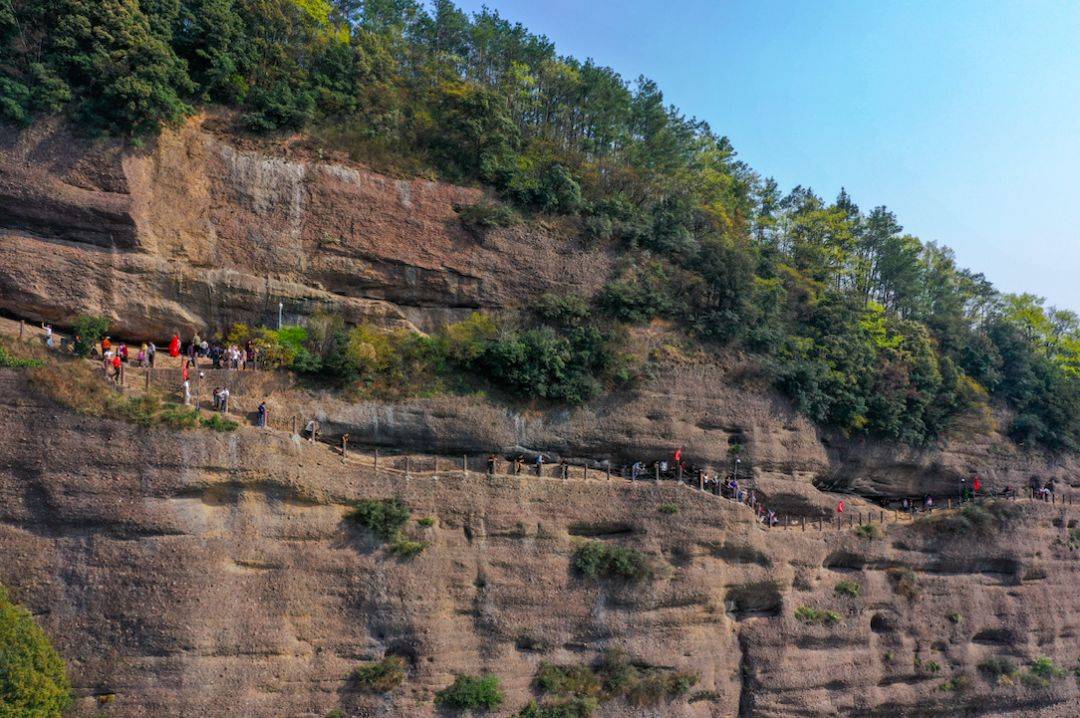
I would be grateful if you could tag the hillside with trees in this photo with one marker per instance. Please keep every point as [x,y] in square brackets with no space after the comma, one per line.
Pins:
[866,328]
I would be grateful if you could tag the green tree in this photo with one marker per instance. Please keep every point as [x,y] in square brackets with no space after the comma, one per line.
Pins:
[33,681]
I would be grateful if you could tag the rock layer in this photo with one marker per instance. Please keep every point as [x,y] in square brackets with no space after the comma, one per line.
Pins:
[193,233]
[201,574]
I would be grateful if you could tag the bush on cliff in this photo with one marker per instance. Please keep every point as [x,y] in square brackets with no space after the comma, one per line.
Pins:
[486,215]
[478,693]
[33,682]
[384,518]
[596,559]
[380,676]
[88,330]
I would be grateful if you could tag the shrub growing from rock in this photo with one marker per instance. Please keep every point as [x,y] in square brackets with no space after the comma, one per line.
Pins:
[383,517]
[478,693]
[380,676]
[33,682]
[596,559]
[848,588]
[810,615]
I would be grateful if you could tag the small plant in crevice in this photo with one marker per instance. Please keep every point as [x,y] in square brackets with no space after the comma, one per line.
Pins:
[380,676]
[1041,672]
[956,618]
[905,582]
[848,588]
[669,508]
[956,684]
[427,521]
[868,531]
[810,616]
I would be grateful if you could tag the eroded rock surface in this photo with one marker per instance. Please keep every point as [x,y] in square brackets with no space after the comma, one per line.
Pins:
[202,574]
[195,233]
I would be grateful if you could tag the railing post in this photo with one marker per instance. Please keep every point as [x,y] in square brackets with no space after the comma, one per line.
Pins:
[607,469]
[436,464]
[22,328]
[344,446]
[408,463]
[701,481]
[658,472]
[294,424]
[376,459]
[148,379]
[680,472]
[586,472]
[465,465]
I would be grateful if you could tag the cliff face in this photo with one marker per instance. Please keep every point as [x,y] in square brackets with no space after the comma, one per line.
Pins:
[197,231]
[200,574]
[193,232]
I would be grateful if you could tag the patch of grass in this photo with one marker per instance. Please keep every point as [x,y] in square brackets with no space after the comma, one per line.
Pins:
[848,588]
[473,693]
[575,707]
[669,508]
[905,582]
[405,548]
[809,615]
[975,519]
[596,559]
[78,386]
[486,215]
[383,517]
[868,531]
[955,617]
[10,361]
[956,684]
[932,667]
[217,422]
[427,521]
[577,680]
[997,666]
[1041,672]
[580,688]
[380,676]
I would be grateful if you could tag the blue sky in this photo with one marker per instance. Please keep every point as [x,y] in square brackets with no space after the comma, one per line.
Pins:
[962,117]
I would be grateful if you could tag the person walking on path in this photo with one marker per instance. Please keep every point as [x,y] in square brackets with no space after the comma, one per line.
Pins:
[151,354]
[116,364]
[48,335]
[491,465]
[539,464]
[262,414]
[224,398]
[187,391]
[174,346]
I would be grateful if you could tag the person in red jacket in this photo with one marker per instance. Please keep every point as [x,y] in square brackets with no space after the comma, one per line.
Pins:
[174,346]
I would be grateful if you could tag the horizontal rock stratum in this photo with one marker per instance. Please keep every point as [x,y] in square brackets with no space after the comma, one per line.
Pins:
[194,233]
[201,574]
